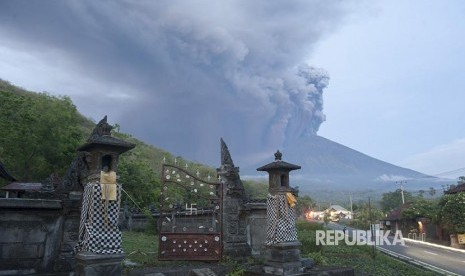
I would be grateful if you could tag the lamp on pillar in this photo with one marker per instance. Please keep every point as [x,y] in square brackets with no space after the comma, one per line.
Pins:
[99,245]
[283,247]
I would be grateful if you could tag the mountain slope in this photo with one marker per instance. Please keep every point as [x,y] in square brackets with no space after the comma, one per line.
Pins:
[329,165]
[331,170]
[322,156]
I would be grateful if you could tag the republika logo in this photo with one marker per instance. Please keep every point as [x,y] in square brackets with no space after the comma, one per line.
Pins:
[358,237]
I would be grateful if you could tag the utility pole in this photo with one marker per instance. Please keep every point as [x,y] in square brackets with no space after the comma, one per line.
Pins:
[372,228]
[402,189]
[351,210]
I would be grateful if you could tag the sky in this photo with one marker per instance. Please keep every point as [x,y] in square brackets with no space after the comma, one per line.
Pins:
[382,77]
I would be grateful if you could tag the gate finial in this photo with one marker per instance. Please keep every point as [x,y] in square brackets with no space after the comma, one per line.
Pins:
[225,155]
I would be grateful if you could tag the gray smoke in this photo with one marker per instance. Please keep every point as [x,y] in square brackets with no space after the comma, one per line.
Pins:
[181,74]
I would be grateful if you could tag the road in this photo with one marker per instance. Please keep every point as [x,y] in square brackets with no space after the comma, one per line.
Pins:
[445,259]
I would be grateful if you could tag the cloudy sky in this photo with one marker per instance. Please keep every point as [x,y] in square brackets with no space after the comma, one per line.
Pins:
[382,77]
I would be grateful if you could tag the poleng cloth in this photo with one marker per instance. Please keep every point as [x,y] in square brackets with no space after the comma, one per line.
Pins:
[108,185]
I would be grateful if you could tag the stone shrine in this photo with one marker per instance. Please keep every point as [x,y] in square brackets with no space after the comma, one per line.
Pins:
[99,245]
[283,247]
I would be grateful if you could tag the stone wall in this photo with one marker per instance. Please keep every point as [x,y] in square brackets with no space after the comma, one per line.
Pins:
[256,227]
[36,236]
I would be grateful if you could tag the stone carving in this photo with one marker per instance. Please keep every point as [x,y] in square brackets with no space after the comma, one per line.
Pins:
[230,174]
[101,129]
[226,159]
[79,168]
[51,183]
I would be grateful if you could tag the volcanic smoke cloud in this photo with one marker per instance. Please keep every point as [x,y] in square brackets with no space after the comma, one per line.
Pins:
[181,74]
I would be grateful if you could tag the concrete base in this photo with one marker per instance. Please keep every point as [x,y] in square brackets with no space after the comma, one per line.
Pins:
[236,250]
[283,259]
[315,271]
[293,268]
[92,264]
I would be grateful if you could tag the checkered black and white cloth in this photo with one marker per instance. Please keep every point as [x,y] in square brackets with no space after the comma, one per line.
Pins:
[98,229]
[280,220]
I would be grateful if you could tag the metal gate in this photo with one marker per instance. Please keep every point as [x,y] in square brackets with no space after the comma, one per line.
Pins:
[190,217]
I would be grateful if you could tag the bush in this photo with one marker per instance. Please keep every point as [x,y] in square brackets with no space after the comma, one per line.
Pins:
[303,225]
[318,258]
[306,232]
[150,226]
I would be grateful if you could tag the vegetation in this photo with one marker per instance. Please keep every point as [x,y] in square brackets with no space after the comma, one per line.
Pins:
[421,208]
[451,212]
[360,257]
[306,232]
[393,200]
[447,211]
[142,248]
[365,215]
[304,204]
[40,135]
[256,189]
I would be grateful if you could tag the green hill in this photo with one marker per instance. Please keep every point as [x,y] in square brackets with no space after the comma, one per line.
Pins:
[39,134]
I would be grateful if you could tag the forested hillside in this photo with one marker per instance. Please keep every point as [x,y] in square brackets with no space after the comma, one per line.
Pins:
[39,134]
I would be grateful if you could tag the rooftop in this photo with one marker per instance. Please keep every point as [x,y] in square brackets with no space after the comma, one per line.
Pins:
[278,164]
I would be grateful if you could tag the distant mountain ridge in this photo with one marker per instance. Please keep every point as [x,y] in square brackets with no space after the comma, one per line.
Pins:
[328,166]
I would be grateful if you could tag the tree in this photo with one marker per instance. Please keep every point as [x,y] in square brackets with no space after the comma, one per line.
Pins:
[393,200]
[255,189]
[365,214]
[421,209]
[432,191]
[40,134]
[326,217]
[304,205]
[139,181]
[452,212]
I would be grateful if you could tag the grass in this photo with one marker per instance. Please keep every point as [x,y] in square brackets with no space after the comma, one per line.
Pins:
[361,259]
[142,248]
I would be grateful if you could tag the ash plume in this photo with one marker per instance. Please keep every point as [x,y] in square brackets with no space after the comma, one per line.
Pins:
[180,74]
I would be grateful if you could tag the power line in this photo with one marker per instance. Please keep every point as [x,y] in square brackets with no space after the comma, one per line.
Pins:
[451,172]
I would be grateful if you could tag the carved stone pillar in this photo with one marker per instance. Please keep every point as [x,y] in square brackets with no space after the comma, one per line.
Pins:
[234,217]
